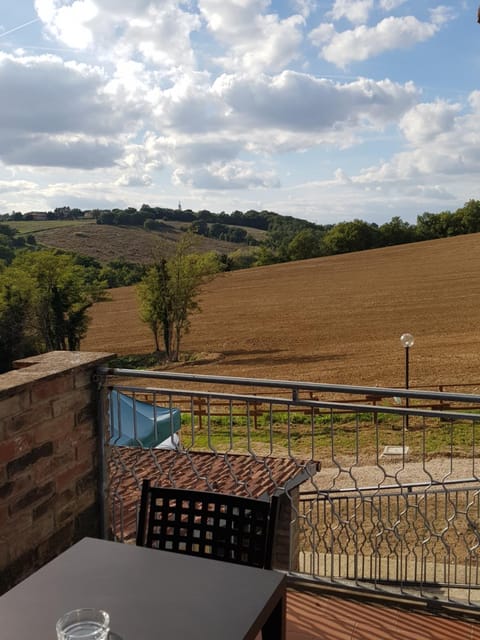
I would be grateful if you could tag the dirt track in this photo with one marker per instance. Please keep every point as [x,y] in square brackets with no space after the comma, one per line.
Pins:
[332,320]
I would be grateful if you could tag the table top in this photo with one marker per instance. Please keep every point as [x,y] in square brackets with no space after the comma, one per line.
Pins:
[148,593]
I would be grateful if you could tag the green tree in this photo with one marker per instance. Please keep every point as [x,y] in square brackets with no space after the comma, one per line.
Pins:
[153,292]
[469,217]
[169,294]
[58,292]
[356,235]
[305,244]
[396,232]
[16,339]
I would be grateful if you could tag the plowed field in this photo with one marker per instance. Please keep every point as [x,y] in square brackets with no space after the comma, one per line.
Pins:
[334,320]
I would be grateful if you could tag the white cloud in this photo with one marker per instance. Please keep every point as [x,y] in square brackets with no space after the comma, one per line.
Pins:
[253,40]
[227,175]
[427,121]
[13,186]
[162,35]
[356,11]
[295,102]
[73,122]
[388,5]
[303,7]
[204,151]
[70,24]
[441,15]
[189,106]
[134,180]
[364,42]
[158,32]
[444,142]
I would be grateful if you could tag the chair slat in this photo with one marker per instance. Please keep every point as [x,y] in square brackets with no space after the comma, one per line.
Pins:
[214,525]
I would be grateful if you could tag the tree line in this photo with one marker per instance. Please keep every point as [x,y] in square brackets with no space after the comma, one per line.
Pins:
[286,237]
[286,242]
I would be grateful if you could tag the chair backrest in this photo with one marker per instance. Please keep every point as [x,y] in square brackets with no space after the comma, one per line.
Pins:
[212,525]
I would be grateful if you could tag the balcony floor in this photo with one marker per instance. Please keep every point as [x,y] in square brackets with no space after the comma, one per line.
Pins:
[315,616]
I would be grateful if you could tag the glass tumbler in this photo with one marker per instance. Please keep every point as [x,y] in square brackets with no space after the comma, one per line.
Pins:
[84,624]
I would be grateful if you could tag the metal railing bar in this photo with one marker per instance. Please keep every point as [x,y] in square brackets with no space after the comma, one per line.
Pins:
[344,406]
[304,386]
[308,495]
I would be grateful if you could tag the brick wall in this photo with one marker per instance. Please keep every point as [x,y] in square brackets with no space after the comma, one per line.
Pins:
[48,459]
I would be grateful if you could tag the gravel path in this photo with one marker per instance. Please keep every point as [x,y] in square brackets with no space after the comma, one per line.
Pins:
[396,472]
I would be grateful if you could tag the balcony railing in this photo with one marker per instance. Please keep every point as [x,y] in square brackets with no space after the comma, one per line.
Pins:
[383,485]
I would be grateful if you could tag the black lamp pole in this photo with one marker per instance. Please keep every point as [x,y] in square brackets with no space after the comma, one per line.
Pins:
[407,341]
[407,351]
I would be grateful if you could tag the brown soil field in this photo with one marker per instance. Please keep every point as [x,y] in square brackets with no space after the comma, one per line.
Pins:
[107,242]
[334,320]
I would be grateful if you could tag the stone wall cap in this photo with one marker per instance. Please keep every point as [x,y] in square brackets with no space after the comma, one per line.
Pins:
[47,365]
[57,361]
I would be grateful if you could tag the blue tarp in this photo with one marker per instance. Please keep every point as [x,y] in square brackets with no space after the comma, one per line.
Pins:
[141,424]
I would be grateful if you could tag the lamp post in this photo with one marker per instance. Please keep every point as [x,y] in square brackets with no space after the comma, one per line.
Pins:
[407,341]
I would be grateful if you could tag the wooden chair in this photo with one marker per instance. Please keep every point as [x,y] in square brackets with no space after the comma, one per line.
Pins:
[212,525]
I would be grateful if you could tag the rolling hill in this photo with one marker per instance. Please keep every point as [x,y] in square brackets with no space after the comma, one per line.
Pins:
[109,242]
[334,320]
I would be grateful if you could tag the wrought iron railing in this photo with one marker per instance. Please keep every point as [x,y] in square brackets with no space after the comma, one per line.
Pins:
[370,501]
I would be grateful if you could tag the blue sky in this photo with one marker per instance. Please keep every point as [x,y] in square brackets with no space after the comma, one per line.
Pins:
[326,110]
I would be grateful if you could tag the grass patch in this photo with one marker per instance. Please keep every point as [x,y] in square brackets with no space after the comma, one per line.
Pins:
[34,226]
[136,361]
[342,435]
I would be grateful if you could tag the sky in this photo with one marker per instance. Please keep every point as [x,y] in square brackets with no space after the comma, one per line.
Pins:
[326,110]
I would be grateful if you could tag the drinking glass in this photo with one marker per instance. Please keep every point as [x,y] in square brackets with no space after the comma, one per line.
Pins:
[83,624]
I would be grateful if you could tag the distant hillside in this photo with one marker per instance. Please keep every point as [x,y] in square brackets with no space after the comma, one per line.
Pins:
[106,242]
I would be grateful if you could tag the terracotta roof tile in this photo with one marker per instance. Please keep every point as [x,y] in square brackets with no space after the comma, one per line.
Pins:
[204,471]
[318,615]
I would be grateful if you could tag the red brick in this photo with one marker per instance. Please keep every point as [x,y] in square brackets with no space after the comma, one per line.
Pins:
[32,497]
[21,484]
[51,388]
[65,498]
[86,500]
[55,429]
[15,447]
[83,379]
[27,420]
[20,536]
[11,406]
[44,469]
[84,431]
[34,454]
[61,460]
[7,451]
[66,507]
[69,477]
[75,401]
[86,450]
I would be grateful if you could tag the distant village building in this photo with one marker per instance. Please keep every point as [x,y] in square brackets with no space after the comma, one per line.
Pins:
[36,215]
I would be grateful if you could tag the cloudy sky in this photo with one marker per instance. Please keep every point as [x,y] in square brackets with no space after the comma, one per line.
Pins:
[326,110]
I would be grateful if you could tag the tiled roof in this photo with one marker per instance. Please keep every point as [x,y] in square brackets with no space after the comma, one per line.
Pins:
[204,471]
[316,614]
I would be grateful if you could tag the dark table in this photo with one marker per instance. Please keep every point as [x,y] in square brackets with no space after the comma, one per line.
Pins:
[149,594]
